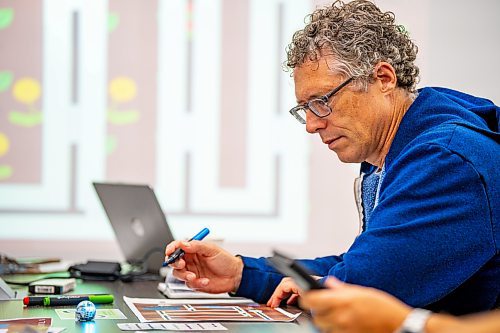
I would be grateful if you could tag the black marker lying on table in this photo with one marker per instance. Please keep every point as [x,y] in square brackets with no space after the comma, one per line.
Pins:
[67,300]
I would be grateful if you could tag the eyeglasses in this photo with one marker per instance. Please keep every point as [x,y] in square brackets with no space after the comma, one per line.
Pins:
[319,106]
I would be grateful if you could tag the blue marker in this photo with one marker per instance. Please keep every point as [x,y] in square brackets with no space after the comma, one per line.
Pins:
[179,253]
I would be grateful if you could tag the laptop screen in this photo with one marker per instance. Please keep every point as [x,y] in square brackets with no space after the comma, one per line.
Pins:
[138,222]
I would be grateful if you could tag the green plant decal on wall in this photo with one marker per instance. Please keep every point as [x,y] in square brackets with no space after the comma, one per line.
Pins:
[122,90]
[113,21]
[111,144]
[5,80]
[116,117]
[26,91]
[6,17]
[24,119]
[5,172]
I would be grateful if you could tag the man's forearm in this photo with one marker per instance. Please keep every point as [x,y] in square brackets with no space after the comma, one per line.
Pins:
[482,323]
[439,323]
[488,322]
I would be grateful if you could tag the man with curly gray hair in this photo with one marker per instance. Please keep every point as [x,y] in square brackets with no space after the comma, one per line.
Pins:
[358,36]
[429,190]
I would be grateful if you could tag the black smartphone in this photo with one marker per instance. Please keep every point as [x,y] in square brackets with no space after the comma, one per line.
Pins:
[289,267]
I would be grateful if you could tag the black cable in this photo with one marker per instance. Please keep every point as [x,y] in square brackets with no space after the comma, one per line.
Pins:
[142,274]
[29,282]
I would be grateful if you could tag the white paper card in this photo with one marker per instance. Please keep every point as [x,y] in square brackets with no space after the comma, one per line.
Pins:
[172,326]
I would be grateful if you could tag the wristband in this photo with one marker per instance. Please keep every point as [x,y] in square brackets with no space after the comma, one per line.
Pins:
[415,321]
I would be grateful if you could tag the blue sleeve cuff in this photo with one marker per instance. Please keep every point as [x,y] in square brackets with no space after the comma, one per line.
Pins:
[259,280]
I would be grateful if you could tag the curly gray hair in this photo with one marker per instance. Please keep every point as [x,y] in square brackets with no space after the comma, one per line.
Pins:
[358,35]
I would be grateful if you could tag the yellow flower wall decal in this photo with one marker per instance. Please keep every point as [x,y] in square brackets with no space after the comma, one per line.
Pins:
[122,89]
[26,90]
[4,144]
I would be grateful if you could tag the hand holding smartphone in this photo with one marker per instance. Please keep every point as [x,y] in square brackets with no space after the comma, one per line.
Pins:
[289,267]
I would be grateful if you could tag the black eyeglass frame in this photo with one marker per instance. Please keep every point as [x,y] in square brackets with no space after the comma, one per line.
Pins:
[323,99]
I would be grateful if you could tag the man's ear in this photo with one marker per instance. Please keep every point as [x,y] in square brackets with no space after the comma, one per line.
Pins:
[385,75]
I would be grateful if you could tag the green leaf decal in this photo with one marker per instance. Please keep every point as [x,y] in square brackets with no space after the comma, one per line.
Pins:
[5,80]
[123,117]
[111,144]
[5,172]
[25,119]
[6,17]
[113,20]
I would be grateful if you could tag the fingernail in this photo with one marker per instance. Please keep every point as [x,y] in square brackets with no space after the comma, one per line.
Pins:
[190,276]
[204,282]
[186,244]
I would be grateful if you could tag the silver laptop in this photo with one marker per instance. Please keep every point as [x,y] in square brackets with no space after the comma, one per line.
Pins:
[138,221]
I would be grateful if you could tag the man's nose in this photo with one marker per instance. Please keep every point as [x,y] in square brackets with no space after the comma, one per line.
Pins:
[314,123]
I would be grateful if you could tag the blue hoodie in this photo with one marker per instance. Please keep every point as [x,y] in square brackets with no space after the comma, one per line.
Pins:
[432,236]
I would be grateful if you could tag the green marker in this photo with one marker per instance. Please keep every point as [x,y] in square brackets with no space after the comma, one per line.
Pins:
[75,299]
